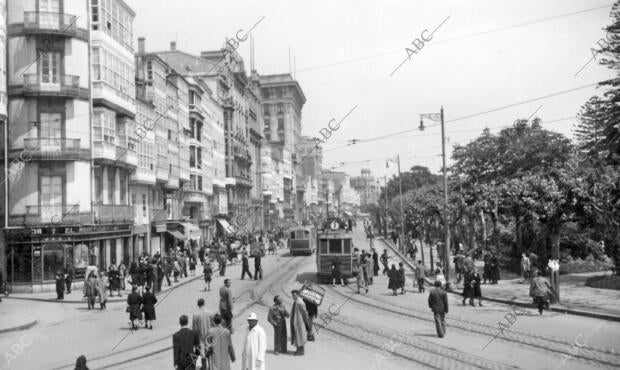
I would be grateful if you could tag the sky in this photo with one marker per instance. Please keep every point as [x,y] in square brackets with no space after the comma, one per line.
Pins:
[484,56]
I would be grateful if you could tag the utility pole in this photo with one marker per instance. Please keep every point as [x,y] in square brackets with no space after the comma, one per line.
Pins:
[435,117]
[402,215]
[386,207]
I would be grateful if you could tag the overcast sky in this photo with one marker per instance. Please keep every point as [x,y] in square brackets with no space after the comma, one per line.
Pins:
[464,68]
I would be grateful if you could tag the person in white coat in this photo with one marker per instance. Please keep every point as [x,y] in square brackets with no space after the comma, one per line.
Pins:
[255,346]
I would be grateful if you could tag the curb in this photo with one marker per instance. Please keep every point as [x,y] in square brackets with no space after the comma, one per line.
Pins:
[21,327]
[564,310]
[53,300]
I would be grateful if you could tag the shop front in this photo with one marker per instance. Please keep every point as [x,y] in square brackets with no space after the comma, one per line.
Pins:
[33,256]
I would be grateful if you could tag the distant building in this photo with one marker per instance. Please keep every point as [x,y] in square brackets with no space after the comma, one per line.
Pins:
[366,185]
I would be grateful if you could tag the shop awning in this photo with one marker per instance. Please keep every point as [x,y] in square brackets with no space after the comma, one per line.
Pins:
[176,234]
[226,226]
[347,213]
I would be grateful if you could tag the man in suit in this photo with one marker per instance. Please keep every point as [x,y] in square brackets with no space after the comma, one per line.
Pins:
[245,266]
[438,303]
[184,344]
[202,321]
[226,305]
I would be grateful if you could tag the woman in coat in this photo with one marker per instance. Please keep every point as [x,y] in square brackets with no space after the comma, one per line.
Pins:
[60,285]
[90,289]
[148,307]
[101,287]
[134,301]
[394,279]
[115,281]
[336,275]
[375,260]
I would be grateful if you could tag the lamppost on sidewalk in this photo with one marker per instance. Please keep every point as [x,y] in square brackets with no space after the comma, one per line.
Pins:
[438,117]
[400,191]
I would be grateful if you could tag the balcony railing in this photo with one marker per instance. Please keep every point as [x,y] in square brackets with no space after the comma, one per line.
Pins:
[53,148]
[58,214]
[50,22]
[113,213]
[55,84]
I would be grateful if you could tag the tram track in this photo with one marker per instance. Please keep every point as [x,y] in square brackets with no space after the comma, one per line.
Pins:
[414,349]
[587,354]
[145,350]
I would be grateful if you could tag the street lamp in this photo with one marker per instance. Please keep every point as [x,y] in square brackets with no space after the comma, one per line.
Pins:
[439,117]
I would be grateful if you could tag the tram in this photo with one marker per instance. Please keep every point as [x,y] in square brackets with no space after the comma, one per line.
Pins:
[302,240]
[334,243]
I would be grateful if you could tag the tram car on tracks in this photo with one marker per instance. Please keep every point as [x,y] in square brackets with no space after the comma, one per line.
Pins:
[302,240]
[334,243]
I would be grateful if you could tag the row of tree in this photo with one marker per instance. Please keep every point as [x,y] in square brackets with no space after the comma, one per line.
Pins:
[527,188]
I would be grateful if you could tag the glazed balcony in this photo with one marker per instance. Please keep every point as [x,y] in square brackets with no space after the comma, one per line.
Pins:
[55,149]
[113,214]
[143,176]
[103,150]
[158,215]
[50,23]
[52,85]
[219,210]
[127,156]
[59,214]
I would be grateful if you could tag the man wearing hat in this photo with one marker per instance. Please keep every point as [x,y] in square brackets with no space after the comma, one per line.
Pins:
[255,346]
[299,323]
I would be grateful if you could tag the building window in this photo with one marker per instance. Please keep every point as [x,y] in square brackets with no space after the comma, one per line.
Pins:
[49,68]
[192,156]
[199,157]
[104,126]
[111,187]
[123,189]
[149,70]
[143,205]
[199,183]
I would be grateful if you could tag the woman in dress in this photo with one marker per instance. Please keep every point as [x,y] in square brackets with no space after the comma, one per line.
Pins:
[394,279]
[336,275]
[148,307]
[134,301]
[101,287]
[192,266]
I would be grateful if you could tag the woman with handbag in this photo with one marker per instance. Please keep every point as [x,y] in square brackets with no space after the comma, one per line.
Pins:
[134,301]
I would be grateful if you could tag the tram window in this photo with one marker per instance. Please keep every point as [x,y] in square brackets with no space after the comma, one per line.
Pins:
[347,246]
[335,246]
[293,235]
[323,246]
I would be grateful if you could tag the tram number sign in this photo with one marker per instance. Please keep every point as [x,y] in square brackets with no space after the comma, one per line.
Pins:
[334,225]
[312,294]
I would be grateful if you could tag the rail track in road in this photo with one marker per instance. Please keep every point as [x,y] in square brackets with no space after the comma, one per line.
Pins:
[588,354]
[144,350]
[407,347]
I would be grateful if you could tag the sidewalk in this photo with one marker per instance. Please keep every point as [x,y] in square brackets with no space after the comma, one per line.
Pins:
[575,297]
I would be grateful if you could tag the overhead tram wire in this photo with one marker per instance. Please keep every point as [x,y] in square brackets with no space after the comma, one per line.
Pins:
[475,34]
[399,133]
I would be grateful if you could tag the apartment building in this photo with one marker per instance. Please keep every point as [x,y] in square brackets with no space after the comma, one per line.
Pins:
[282,102]
[49,210]
[367,187]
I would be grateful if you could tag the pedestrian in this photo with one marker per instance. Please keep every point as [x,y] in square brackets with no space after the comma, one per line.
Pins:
[438,303]
[226,305]
[208,273]
[255,346]
[245,266]
[299,323]
[69,276]
[393,279]
[357,271]
[192,265]
[336,275]
[115,283]
[277,318]
[90,290]
[494,269]
[401,277]
[420,275]
[384,261]
[80,363]
[364,262]
[468,288]
[134,301]
[375,262]
[540,290]
[220,352]
[177,269]
[486,272]
[202,321]
[258,269]
[60,285]
[148,307]
[166,269]
[159,269]
[525,267]
[477,292]
[185,343]
[101,285]
[313,312]
[458,266]
[223,262]
[440,277]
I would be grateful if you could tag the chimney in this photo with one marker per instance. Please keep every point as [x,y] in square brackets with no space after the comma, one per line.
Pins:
[141,41]
[173,45]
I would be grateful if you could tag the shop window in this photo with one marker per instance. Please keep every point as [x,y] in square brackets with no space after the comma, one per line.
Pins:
[19,263]
[80,256]
[53,260]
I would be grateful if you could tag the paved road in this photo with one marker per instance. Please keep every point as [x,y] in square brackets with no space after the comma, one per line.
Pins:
[374,331]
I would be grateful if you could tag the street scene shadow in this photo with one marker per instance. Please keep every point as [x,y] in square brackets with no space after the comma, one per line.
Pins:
[307,276]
